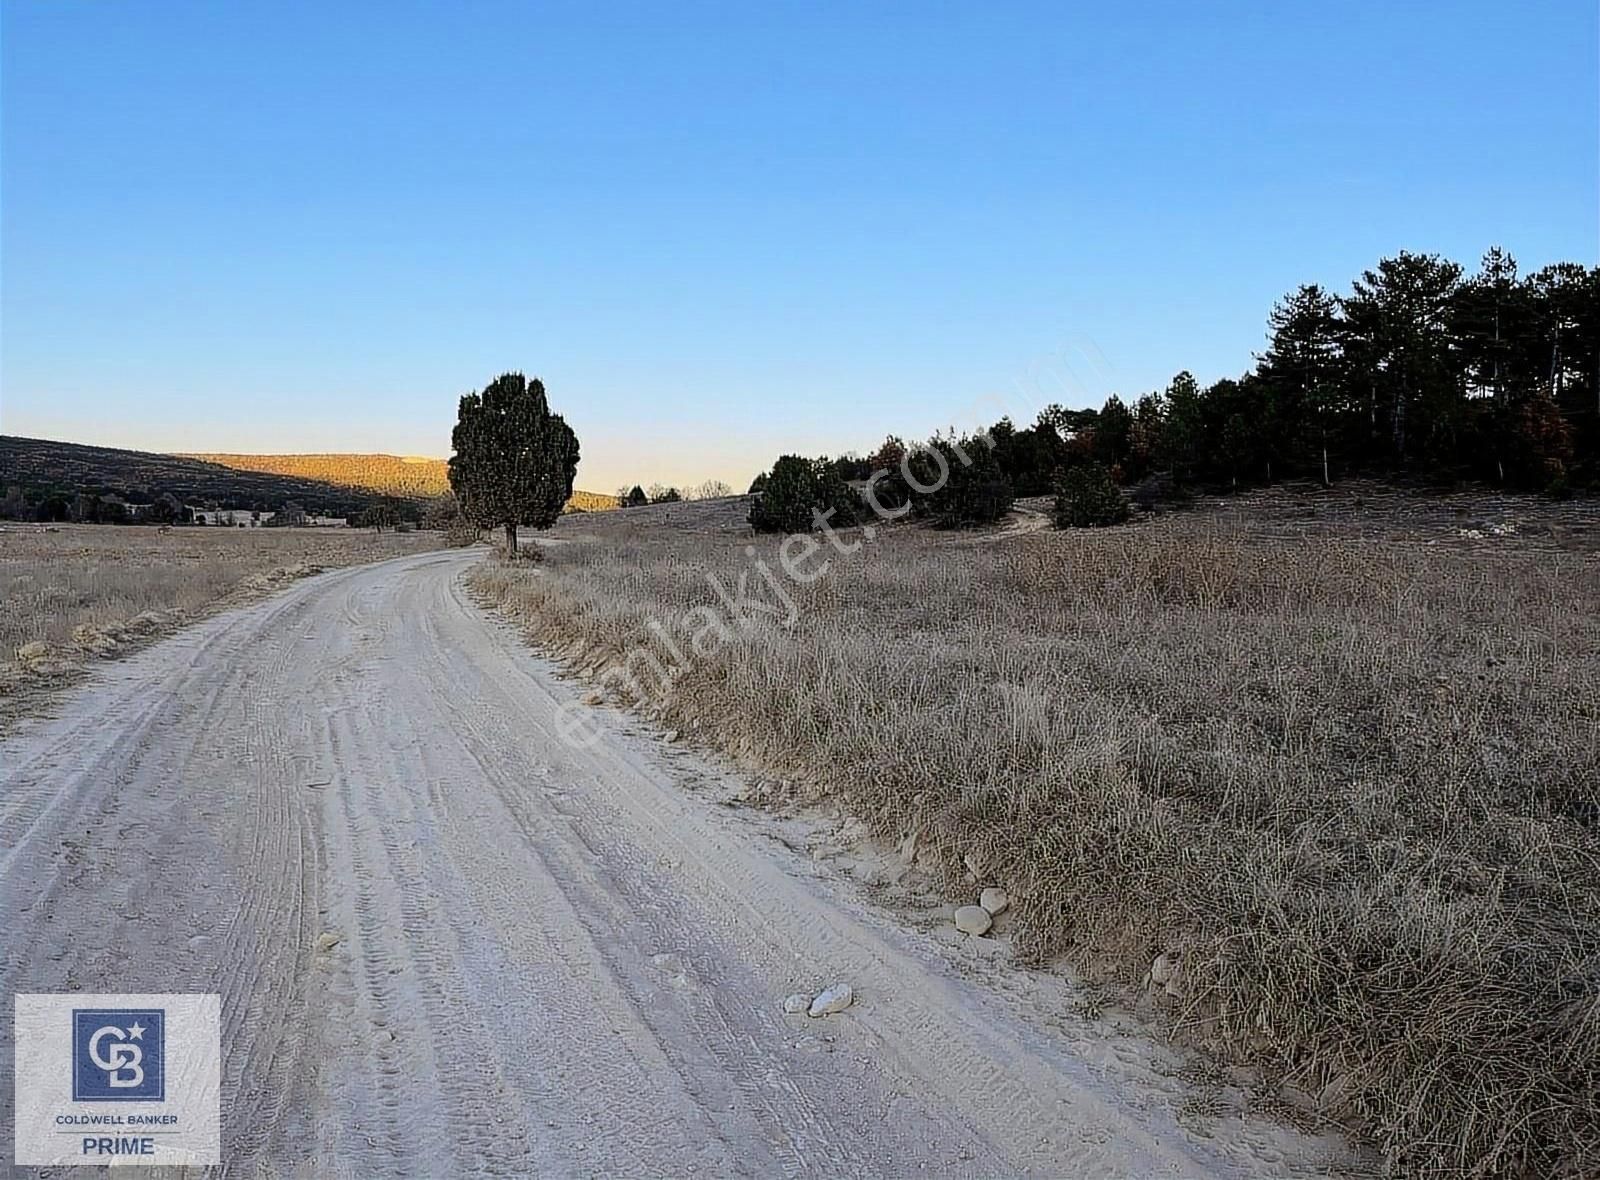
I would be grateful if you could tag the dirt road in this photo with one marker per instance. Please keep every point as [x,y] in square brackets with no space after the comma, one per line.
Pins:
[548,961]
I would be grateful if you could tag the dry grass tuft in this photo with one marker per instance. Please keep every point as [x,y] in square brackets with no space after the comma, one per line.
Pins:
[1350,786]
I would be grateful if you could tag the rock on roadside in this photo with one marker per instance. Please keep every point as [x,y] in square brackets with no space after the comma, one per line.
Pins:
[1166,973]
[973,919]
[832,999]
[994,900]
[796,1004]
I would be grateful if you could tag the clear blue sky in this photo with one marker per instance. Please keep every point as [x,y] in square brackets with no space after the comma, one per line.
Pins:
[722,231]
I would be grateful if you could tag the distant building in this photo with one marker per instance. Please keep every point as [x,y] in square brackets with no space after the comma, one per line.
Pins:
[327,522]
[112,503]
[238,518]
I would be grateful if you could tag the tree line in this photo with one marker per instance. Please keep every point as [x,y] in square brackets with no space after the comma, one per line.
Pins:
[659,493]
[1419,372]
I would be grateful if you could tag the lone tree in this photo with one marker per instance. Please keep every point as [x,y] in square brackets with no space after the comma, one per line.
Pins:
[514,460]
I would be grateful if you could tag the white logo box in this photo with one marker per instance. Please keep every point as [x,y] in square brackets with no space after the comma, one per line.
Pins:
[118,1078]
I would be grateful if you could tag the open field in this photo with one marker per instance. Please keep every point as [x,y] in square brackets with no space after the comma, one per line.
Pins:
[1328,768]
[88,590]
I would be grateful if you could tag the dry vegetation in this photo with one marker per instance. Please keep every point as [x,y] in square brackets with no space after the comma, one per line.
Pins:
[1344,773]
[407,476]
[85,591]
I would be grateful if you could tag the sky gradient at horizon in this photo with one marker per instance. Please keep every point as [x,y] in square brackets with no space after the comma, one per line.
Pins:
[721,232]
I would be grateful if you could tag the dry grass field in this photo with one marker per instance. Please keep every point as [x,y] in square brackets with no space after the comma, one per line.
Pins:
[94,590]
[1335,756]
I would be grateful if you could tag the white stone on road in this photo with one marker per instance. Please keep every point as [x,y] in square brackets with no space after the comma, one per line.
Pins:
[832,999]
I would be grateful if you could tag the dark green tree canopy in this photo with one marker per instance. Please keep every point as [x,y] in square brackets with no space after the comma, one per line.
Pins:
[968,486]
[514,460]
[1086,498]
[795,491]
[1421,370]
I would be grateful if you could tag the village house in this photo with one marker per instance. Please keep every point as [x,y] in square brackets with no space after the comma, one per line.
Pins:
[292,515]
[130,509]
[242,518]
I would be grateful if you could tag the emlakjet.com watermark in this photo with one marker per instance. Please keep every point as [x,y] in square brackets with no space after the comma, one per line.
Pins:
[118,1079]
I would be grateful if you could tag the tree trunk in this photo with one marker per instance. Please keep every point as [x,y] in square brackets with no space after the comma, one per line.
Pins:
[511,539]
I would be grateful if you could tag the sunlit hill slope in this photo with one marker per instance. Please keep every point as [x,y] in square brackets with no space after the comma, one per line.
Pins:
[410,476]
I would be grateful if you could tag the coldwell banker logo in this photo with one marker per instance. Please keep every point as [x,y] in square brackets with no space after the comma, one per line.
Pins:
[112,1079]
[117,1055]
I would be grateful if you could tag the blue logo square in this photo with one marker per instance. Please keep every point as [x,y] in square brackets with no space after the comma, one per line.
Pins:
[118,1055]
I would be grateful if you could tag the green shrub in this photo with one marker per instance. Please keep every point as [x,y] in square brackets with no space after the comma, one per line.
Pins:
[1086,498]
[796,490]
[975,490]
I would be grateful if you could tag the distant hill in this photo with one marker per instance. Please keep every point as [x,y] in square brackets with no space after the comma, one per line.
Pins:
[389,475]
[591,502]
[405,476]
[330,485]
[42,466]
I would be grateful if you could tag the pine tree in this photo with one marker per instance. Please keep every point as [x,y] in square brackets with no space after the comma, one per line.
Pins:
[1182,432]
[1086,498]
[1303,372]
[1399,341]
[514,460]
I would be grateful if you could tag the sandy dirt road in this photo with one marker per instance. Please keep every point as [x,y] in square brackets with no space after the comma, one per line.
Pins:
[551,961]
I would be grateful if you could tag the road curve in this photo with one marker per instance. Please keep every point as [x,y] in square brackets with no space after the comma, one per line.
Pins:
[551,961]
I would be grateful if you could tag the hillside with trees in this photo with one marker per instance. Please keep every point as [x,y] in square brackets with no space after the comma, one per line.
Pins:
[408,477]
[411,477]
[43,479]
[1420,373]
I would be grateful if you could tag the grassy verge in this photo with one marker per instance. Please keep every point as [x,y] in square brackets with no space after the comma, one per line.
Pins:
[1349,788]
